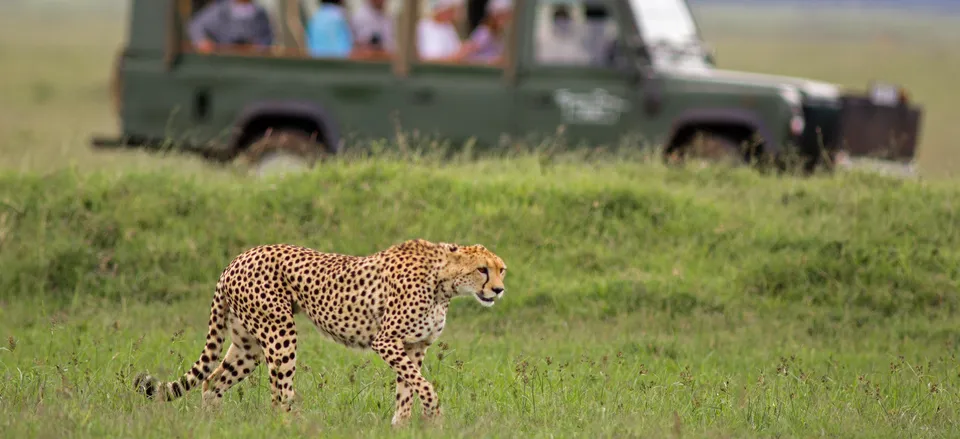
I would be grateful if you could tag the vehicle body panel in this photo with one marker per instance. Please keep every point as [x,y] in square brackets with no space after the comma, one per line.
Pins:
[457,104]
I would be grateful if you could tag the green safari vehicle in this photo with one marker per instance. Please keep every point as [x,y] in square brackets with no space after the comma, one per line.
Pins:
[654,81]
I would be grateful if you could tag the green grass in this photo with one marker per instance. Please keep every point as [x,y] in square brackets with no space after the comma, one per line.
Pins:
[639,299]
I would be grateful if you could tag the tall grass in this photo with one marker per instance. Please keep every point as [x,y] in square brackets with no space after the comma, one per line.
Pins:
[846,241]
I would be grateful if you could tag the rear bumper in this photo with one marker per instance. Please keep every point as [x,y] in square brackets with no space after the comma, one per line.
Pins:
[105,142]
[158,145]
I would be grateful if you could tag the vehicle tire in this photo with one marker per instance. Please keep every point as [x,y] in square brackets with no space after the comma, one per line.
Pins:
[283,150]
[708,147]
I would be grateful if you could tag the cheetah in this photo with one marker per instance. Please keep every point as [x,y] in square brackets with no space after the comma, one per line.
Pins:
[393,302]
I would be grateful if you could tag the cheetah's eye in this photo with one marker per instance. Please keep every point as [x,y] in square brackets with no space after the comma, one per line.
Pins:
[482,270]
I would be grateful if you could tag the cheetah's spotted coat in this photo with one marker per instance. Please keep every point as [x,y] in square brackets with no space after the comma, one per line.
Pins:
[393,302]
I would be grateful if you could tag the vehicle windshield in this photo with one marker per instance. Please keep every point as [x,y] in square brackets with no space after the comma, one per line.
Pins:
[668,29]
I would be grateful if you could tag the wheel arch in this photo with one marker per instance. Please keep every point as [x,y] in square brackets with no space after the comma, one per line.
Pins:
[736,123]
[310,117]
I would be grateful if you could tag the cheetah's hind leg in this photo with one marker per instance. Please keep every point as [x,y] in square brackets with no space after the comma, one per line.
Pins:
[241,359]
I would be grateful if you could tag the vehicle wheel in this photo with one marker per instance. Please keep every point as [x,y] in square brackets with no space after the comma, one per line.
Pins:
[709,148]
[283,150]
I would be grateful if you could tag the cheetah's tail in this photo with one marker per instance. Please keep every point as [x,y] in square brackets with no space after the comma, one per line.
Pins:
[149,386]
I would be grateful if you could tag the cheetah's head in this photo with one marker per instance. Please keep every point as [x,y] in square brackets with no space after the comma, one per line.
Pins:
[475,271]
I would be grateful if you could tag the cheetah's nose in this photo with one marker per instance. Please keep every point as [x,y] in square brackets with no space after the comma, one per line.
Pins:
[497,290]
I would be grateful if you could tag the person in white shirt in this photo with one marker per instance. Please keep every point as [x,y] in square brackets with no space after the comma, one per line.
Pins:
[437,37]
[373,27]
[486,43]
[562,42]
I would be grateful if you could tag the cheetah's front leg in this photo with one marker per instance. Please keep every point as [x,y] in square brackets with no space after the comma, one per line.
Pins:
[394,353]
[404,403]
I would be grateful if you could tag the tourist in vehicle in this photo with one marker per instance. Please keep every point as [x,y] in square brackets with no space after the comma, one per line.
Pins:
[234,24]
[601,38]
[486,43]
[437,37]
[562,43]
[373,28]
[328,31]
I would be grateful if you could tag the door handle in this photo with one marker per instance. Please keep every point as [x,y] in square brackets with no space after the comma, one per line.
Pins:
[423,95]
[543,100]
[201,104]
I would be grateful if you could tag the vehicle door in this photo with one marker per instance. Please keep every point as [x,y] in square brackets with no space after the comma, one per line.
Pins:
[570,80]
[455,101]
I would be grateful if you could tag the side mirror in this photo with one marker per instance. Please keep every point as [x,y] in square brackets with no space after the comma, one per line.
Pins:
[711,55]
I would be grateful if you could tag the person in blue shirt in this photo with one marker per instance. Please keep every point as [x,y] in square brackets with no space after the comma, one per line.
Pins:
[328,31]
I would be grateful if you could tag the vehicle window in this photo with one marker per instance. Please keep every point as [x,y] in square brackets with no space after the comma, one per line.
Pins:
[669,20]
[215,26]
[355,29]
[574,33]
[670,33]
[439,39]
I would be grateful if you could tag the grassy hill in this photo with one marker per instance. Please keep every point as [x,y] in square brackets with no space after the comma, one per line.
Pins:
[640,299]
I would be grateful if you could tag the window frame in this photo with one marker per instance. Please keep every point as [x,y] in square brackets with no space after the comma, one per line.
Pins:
[625,31]
[410,62]
[178,44]
[403,62]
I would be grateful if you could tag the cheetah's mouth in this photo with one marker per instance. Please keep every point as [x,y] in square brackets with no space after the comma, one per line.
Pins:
[484,301]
